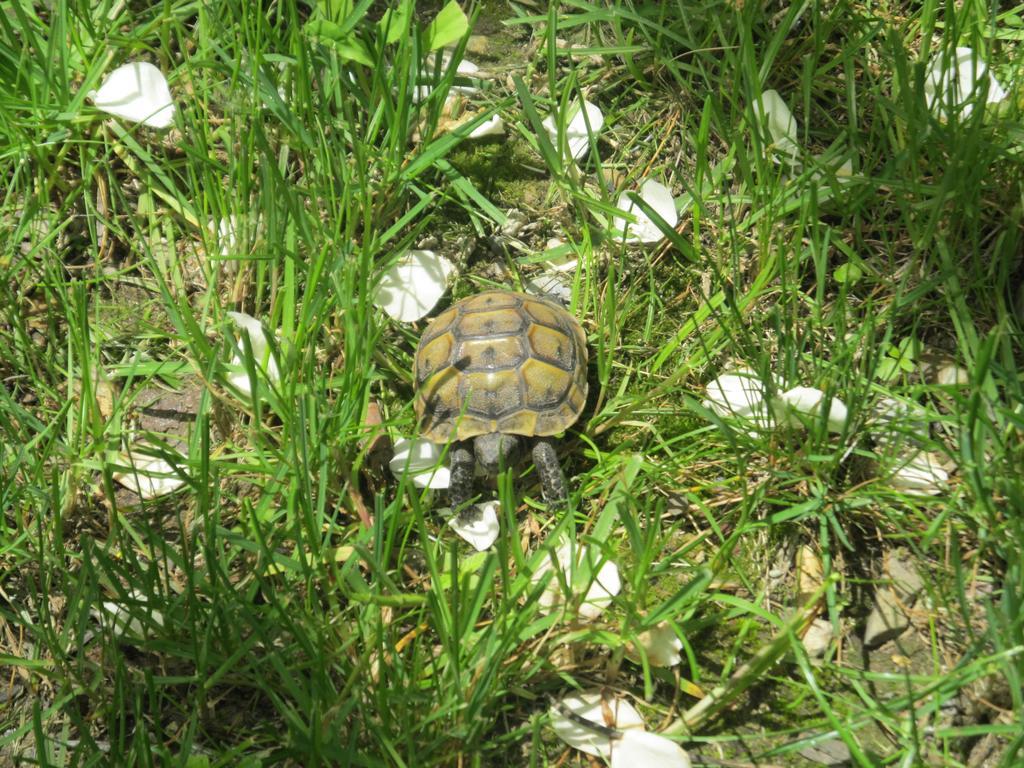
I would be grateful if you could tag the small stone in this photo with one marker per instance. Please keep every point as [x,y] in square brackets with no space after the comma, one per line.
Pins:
[886,620]
[903,577]
[514,222]
[818,638]
[951,374]
[478,45]
[832,752]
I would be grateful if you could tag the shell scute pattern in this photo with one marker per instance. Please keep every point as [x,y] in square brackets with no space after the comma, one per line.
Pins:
[500,362]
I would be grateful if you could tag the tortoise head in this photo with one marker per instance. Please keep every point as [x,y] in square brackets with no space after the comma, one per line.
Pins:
[496,451]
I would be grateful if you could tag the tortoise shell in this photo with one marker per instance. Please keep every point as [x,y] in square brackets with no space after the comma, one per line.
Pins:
[500,362]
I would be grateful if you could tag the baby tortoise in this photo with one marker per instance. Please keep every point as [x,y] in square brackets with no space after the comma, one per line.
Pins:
[499,369]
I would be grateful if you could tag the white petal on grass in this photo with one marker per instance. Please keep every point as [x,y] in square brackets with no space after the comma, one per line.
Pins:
[413,286]
[952,82]
[227,235]
[737,394]
[772,109]
[796,406]
[639,748]
[570,716]
[150,476]
[465,68]
[656,195]
[123,620]
[495,126]
[137,92]
[480,527]
[920,474]
[576,134]
[559,257]
[266,364]
[661,645]
[574,562]
[418,459]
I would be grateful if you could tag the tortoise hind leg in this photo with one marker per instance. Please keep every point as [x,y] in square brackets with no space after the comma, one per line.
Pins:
[463,462]
[552,481]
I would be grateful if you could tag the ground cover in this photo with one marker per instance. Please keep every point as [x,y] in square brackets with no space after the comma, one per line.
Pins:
[794,529]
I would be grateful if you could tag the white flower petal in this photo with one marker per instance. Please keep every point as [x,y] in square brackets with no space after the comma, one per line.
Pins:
[656,195]
[639,748]
[481,528]
[559,257]
[599,596]
[150,476]
[740,394]
[591,707]
[465,68]
[227,235]
[413,286]
[920,474]
[808,402]
[576,134]
[495,126]
[266,363]
[122,620]
[661,645]
[782,126]
[575,562]
[419,459]
[138,92]
[950,83]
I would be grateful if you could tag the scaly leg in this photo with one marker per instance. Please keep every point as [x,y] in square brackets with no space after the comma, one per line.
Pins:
[552,481]
[463,462]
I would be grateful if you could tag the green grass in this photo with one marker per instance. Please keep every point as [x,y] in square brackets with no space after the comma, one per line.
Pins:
[273,626]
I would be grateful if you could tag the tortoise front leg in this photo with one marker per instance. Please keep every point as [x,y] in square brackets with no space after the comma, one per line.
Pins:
[463,462]
[552,481]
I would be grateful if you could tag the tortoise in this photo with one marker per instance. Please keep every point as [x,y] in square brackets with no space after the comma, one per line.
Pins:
[494,372]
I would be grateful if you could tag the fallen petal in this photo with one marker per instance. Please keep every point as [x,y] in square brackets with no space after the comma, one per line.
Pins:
[138,92]
[418,460]
[478,525]
[772,109]
[807,402]
[124,622]
[738,394]
[575,562]
[577,135]
[642,748]
[227,235]
[656,195]
[413,286]
[266,363]
[574,719]
[150,476]
[606,585]
[920,474]
[660,644]
[951,82]
[495,126]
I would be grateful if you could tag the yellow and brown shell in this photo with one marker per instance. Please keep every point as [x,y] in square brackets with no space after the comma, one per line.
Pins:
[500,362]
